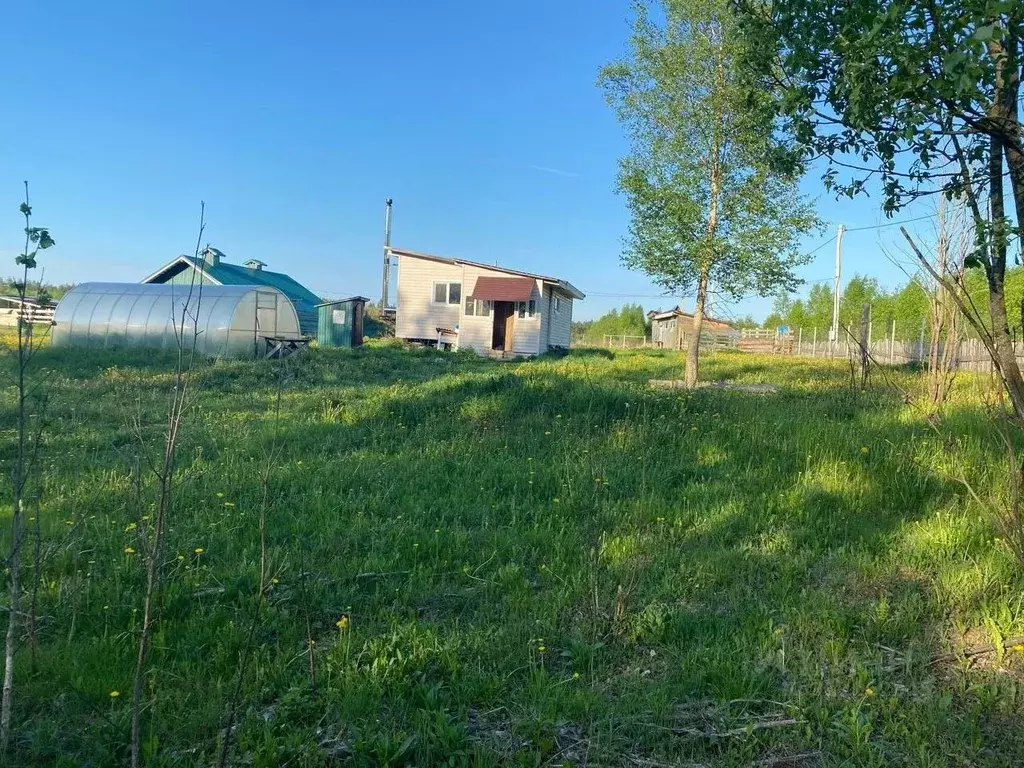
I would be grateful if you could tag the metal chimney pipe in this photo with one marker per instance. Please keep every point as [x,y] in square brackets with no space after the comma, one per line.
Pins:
[387,256]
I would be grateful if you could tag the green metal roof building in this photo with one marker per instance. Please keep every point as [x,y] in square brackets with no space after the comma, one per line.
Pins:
[213,270]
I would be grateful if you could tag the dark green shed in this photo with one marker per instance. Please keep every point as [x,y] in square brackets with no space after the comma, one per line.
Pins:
[340,322]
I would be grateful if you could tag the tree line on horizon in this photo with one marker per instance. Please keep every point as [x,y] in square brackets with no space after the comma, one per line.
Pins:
[908,305]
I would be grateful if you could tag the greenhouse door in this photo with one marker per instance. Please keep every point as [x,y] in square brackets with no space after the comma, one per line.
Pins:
[266,316]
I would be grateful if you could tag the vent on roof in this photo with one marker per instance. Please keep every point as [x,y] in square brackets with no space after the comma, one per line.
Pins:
[212,256]
[255,264]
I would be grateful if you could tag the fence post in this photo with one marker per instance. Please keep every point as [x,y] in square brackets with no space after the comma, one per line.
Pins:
[920,342]
[814,343]
[800,342]
[865,330]
[892,342]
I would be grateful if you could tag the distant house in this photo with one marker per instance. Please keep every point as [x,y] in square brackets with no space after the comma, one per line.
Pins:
[665,326]
[481,307]
[212,269]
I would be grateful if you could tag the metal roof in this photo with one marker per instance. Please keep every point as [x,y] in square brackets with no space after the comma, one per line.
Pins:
[564,285]
[502,289]
[343,301]
[222,273]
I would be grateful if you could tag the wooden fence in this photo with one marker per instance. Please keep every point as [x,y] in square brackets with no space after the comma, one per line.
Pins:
[970,355]
[709,341]
[32,313]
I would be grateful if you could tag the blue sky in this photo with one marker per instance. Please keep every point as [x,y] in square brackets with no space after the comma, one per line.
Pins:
[294,121]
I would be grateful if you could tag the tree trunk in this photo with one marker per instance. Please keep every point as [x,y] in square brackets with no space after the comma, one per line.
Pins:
[715,179]
[693,348]
[1011,119]
[1003,111]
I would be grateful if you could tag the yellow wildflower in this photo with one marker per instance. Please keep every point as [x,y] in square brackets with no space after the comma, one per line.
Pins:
[129,551]
[864,450]
[869,692]
[199,550]
[114,694]
[342,623]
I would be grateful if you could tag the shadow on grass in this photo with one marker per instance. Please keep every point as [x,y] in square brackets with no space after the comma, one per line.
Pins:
[549,542]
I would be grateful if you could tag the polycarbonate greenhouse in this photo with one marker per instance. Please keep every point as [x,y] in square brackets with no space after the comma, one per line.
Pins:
[232,320]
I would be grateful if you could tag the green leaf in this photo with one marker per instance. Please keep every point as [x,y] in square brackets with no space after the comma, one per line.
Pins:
[986,32]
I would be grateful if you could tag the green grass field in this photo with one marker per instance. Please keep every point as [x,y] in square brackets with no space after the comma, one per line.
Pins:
[523,563]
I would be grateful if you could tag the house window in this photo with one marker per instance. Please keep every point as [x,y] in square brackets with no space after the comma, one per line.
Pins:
[447,293]
[557,304]
[477,307]
[521,308]
[531,307]
[338,317]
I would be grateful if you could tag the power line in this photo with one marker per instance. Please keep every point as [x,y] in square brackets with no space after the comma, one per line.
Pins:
[628,295]
[830,240]
[892,223]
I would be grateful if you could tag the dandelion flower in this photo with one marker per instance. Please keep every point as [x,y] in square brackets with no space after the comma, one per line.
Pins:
[114,694]
[199,550]
[130,527]
[547,433]
[129,551]
[342,623]
[864,450]
[1019,648]
[869,692]
[575,675]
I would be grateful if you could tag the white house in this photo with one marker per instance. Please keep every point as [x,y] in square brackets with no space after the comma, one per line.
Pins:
[481,307]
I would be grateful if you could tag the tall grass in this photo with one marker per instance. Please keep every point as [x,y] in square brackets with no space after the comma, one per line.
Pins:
[528,563]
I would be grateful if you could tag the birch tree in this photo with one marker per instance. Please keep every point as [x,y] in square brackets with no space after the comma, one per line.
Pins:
[709,181]
[913,98]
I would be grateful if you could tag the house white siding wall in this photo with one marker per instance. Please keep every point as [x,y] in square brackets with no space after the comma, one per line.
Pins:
[559,330]
[418,317]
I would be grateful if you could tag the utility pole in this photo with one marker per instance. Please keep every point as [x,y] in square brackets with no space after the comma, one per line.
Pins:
[833,334]
[386,281]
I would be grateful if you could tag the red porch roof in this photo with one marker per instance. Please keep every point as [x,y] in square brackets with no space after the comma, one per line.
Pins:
[502,289]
